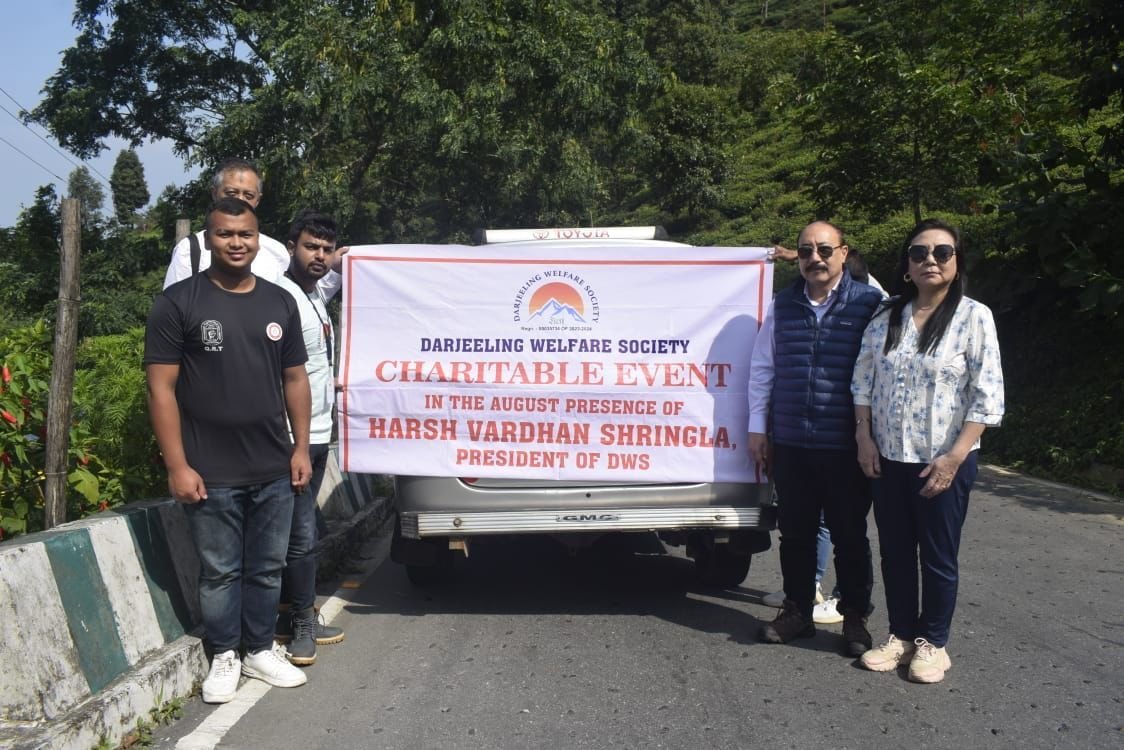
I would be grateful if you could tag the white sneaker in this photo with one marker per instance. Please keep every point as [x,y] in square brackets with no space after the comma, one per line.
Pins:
[222,680]
[819,594]
[775,599]
[827,612]
[272,665]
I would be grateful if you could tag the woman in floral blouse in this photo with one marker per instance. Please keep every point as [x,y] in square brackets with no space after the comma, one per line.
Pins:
[927,382]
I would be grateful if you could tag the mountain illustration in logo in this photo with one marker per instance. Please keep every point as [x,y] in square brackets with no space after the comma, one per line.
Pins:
[557,299]
[553,308]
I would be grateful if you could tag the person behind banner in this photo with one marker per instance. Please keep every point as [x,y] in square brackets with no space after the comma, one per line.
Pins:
[312,248]
[799,379]
[928,381]
[224,364]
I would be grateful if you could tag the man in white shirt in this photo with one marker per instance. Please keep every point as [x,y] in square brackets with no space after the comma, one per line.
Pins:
[312,250]
[238,178]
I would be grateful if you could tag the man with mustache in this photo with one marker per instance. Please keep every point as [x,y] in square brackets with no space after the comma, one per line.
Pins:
[312,251]
[799,385]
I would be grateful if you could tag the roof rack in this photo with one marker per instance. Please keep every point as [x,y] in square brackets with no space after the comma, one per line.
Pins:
[495,236]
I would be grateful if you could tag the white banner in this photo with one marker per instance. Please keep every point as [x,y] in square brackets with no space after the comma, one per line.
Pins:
[621,363]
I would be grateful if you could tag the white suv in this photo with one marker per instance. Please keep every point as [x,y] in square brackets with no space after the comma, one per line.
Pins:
[721,524]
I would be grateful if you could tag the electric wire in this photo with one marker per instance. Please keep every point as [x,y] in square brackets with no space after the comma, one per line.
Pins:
[8,143]
[91,167]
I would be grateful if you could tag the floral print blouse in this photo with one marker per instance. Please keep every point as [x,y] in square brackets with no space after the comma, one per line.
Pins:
[919,402]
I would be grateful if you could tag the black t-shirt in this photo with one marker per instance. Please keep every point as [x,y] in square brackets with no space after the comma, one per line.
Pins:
[231,349]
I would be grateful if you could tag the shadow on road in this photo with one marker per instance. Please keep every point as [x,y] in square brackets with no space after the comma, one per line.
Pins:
[620,575]
[1041,495]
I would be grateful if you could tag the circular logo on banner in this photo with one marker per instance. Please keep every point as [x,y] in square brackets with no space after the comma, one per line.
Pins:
[556,300]
[274,331]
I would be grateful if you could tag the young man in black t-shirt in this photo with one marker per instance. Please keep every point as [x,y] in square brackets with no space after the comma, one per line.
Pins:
[224,360]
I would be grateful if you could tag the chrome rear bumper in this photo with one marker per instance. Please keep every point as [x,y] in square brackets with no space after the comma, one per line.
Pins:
[422,525]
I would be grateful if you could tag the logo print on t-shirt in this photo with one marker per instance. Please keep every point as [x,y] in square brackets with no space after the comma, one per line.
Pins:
[273,331]
[211,331]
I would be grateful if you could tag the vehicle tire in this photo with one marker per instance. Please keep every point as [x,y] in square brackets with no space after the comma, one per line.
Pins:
[427,561]
[721,566]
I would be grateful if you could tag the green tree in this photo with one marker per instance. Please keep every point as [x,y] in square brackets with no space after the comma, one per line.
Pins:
[917,103]
[689,135]
[29,260]
[1066,177]
[130,191]
[82,186]
[414,120]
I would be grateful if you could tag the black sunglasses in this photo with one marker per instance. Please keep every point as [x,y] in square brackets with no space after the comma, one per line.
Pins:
[824,251]
[941,253]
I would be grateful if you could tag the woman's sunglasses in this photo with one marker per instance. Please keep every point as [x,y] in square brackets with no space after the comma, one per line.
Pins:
[941,253]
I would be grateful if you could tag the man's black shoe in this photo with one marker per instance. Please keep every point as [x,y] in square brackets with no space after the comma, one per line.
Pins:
[788,625]
[855,634]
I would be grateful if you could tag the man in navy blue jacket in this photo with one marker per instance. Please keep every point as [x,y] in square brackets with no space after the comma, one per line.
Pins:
[800,384]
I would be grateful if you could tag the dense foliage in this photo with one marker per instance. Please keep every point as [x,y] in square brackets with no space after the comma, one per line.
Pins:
[112,457]
[729,122]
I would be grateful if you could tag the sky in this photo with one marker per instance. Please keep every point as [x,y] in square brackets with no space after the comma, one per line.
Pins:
[32,40]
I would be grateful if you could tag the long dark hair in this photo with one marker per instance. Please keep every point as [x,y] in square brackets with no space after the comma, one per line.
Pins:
[905,291]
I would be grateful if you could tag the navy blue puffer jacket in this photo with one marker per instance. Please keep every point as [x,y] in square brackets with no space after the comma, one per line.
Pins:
[814,361]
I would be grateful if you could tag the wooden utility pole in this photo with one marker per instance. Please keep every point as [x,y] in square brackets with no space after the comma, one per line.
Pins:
[59,399]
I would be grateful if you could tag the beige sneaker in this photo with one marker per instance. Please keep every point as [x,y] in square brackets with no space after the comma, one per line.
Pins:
[887,656]
[929,663]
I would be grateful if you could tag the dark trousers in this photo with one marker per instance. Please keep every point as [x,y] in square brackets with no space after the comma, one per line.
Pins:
[810,482]
[912,527]
[298,580]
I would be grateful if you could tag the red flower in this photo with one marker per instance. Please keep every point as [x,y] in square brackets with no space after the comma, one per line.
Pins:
[5,458]
[8,416]
[6,374]
[103,505]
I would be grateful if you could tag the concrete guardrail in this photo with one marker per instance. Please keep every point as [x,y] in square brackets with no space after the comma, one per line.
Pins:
[99,618]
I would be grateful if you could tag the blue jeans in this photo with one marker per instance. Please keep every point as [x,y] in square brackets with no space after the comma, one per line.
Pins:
[298,582]
[241,534]
[911,527]
[823,554]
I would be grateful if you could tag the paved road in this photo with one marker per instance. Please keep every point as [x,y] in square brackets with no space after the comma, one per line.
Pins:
[619,647]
